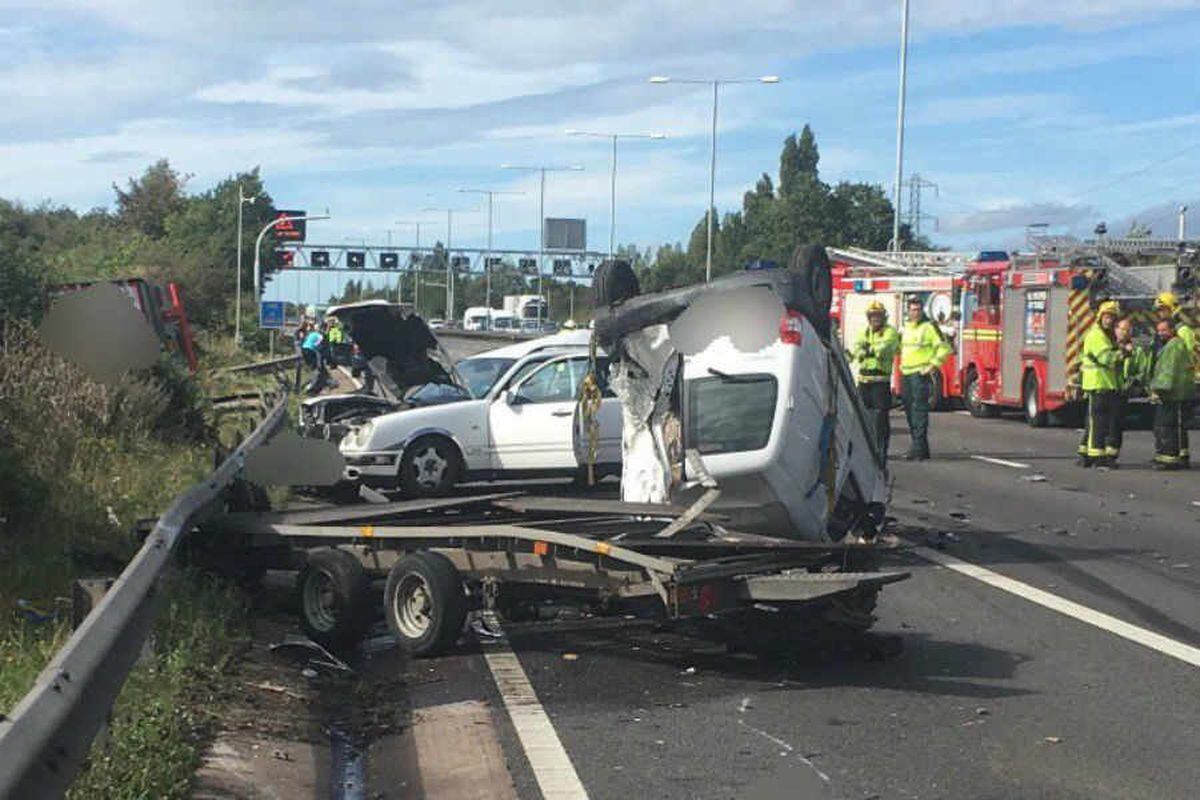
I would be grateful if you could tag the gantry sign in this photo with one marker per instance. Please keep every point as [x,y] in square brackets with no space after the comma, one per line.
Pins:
[463,260]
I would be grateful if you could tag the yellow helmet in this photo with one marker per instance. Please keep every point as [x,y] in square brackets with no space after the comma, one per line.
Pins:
[876,307]
[1109,307]
[1167,300]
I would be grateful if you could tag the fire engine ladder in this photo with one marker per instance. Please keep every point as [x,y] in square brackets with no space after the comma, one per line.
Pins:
[1122,282]
[908,262]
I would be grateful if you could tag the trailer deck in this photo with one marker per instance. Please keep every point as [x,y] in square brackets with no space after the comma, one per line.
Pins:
[510,550]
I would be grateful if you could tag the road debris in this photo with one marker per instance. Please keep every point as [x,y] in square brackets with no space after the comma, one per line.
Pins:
[1052,739]
[1036,477]
[744,705]
[570,656]
[318,658]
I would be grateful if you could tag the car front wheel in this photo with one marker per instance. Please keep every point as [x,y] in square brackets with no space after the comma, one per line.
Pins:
[430,467]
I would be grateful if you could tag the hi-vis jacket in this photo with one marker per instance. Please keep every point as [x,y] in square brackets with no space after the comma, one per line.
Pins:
[922,347]
[1173,378]
[1099,367]
[875,353]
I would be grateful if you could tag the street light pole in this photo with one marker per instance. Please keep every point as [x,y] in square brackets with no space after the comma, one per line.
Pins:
[237,302]
[612,193]
[542,170]
[450,212]
[900,123]
[263,232]
[416,272]
[712,163]
[487,260]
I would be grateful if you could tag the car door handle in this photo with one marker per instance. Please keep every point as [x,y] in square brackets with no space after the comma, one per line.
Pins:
[562,413]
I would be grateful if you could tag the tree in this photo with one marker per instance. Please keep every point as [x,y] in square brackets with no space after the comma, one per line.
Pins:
[149,200]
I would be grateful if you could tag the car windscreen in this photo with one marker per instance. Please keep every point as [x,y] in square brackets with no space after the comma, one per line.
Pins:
[730,413]
[481,373]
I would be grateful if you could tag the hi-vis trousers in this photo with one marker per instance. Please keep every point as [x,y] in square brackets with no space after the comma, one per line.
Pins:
[1101,437]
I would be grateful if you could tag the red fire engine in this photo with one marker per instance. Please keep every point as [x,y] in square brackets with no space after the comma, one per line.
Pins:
[1024,321]
[861,277]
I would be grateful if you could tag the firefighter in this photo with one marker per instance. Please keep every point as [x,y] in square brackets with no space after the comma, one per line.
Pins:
[1172,387]
[875,354]
[1168,307]
[1133,374]
[922,350]
[1100,369]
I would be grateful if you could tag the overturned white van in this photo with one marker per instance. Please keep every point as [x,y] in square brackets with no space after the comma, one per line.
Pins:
[744,374]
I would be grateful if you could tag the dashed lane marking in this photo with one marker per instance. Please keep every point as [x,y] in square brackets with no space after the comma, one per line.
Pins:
[551,765]
[1105,622]
[1002,462]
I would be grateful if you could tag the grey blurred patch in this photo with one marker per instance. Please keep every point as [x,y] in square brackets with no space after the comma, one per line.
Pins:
[749,317]
[791,781]
[100,330]
[290,460]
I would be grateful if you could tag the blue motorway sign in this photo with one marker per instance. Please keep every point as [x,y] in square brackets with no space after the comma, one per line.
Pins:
[270,314]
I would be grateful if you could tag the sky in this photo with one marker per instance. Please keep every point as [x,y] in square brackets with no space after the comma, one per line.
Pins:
[1020,111]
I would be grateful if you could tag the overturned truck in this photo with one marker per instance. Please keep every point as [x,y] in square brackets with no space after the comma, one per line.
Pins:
[751,495]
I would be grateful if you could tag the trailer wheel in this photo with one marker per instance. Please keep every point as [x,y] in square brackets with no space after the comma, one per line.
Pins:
[1035,416]
[334,595]
[811,263]
[974,404]
[429,467]
[424,603]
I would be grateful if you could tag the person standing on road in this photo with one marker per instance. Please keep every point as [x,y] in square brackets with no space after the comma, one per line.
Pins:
[1100,371]
[1172,386]
[311,349]
[1134,374]
[875,354]
[1168,307]
[922,350]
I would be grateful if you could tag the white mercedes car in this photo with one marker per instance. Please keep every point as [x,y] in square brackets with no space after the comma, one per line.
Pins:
[519,423]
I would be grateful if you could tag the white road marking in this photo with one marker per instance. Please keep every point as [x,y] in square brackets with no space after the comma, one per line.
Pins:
[963,413]
[548,759]
[787,748]
[1002,462]
[1105,622]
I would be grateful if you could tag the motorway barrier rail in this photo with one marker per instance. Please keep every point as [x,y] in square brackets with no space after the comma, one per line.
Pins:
[46,740]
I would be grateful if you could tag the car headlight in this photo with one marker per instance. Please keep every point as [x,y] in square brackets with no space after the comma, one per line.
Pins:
[359,435]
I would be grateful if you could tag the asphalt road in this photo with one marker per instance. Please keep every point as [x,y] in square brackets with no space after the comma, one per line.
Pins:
[990,696]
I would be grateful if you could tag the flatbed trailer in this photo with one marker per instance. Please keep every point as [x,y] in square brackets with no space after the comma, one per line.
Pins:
[510,552]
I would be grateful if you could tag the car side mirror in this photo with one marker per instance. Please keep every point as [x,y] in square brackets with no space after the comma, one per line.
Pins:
[510,397]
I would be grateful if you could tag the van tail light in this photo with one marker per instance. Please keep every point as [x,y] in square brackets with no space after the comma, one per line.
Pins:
[790,327]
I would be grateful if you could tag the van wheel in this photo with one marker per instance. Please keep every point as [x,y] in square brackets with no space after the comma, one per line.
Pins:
[1035,416]
[430,467]
[425,603]
[811,264]
[335,598]
[974,404]
[614,282]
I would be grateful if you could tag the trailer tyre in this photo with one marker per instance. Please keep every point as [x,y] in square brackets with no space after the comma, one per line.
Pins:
[334,595]
[424,603]
[1035,416]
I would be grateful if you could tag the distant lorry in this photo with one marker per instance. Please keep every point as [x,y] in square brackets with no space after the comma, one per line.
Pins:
[525,306]
[162,306]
